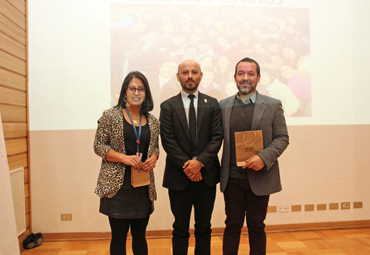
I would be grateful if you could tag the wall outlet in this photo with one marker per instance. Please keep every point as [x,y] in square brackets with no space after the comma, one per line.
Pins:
[66,217]
[309,208]
[284,208]
[321,207]
[333,206]
[271,209]
[357,205]
[345,205]
[296,208]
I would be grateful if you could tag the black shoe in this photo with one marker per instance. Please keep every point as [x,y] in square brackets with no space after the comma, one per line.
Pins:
[38,239]
[28,242]
[32,241]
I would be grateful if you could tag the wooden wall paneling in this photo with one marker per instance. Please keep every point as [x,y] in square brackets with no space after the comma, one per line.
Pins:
[20,5]
[19,160]
[11,29]
[28,218]
[12,80]
[27,206]
[12,14]
[16,146]
[26,190]
[12,97]
[12,63]
[15,130]
[12,46]
[26,175]
[11,113]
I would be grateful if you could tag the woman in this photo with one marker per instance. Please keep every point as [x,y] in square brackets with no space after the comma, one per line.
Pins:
[124,132]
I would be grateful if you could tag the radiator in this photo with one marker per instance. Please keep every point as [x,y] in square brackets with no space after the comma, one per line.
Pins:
[17,184]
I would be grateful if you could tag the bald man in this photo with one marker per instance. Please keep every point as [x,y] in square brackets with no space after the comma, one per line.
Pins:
[192,166]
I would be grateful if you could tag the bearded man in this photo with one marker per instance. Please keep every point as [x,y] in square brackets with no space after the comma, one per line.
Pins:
[191,134]
[247,188]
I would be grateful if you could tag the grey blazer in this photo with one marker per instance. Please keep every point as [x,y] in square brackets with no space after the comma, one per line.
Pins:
[269,117]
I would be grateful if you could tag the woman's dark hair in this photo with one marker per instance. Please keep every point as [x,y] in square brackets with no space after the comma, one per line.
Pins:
[147,105]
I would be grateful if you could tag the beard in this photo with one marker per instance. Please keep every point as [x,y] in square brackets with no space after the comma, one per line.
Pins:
[189,87]
[246,90]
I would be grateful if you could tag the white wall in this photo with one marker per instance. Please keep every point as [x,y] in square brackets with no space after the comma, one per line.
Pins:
[322,165]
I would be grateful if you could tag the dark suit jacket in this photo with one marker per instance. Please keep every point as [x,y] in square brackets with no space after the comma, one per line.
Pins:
[176,140]
[268,116]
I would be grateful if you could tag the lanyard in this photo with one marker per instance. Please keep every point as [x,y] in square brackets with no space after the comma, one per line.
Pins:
[136,134]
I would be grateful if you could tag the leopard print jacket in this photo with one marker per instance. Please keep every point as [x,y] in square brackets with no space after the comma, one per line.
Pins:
[109,135]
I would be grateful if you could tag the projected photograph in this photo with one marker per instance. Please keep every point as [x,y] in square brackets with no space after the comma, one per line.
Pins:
[154,39]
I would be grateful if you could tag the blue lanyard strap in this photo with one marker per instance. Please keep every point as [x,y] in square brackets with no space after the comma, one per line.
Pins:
[136,134]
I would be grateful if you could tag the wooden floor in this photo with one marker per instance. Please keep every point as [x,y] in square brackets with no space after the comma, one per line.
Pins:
[324,242]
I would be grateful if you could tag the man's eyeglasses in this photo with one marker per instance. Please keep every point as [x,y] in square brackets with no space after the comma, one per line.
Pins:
[133,89]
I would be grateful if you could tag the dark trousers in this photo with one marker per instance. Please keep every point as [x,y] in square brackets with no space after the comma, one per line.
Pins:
[240,203]
[120,229]
[202,197]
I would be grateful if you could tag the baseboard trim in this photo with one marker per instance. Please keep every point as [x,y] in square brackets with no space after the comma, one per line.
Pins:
[81,236]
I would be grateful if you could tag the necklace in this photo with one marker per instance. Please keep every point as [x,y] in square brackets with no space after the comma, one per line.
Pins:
[135,121]
[137,133]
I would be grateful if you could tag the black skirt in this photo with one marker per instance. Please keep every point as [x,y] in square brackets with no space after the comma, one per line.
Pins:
[130,202]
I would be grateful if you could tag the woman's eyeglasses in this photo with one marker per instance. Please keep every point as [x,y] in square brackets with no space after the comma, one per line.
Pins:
[132,89]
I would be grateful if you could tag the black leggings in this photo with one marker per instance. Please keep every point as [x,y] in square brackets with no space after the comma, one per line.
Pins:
[120,229]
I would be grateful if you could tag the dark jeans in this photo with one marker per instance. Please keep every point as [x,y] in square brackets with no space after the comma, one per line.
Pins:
[240,203]
[120,229]
[202,197]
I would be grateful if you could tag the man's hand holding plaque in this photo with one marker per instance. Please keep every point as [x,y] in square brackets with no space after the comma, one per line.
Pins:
[247,145]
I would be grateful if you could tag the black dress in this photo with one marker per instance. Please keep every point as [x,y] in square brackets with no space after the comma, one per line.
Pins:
[130,202]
